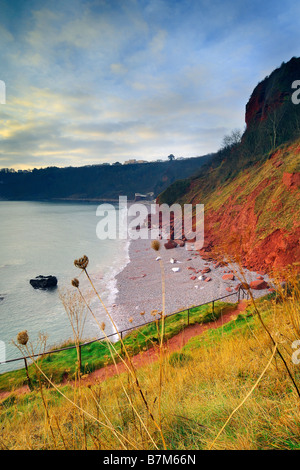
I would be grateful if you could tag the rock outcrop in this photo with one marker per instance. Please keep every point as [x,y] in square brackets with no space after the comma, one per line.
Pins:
[44,282]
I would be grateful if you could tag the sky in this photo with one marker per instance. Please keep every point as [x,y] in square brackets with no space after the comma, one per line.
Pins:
[96,81]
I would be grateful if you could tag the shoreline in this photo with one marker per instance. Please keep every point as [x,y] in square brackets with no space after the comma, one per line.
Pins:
[112,277]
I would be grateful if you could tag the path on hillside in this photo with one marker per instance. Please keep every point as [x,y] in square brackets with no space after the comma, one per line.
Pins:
[152,354]
[174,344]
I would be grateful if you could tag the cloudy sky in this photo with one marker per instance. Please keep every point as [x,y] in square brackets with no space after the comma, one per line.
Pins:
[92,81]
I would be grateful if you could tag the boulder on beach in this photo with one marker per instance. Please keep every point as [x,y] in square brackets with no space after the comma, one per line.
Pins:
[206,270]
[228,277]
[220,264]
[179,242]
[258,285]
[43,282]
[170,244]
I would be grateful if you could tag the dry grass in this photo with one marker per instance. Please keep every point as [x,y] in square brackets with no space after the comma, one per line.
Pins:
[227,389]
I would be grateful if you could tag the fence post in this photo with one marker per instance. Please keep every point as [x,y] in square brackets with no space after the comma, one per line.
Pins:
[188,316]
[213,308]
[79,358]
[27,374]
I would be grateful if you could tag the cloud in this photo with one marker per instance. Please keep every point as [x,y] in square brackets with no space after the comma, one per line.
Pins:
[104,81]
[118,69]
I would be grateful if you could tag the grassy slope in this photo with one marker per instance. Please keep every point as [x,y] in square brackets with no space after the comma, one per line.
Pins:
[202,385]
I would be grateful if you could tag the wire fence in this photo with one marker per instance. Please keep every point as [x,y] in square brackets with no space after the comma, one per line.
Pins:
[240,293]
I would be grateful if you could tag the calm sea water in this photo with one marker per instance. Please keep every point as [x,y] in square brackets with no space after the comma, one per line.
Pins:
[45,238]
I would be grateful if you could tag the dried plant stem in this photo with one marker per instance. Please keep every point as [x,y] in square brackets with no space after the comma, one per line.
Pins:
[106,337]
[246,397]
[77,321]
[130,370]
[274,343]
[133,372]
[60,433]
[42,394]
[112,347]
[163,284]
[47,412]
[117,434]
[131,403]
[270,335]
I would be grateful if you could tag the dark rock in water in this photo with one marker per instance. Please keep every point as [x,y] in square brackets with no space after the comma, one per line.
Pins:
[1,298]
[43,282]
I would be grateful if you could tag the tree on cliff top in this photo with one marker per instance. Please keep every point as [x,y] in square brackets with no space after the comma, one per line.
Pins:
[232,139]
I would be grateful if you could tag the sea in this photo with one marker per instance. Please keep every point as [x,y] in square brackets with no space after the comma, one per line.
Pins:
[44,238]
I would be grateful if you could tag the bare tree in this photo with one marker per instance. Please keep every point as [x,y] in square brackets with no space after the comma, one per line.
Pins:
[232,139]
[275,118]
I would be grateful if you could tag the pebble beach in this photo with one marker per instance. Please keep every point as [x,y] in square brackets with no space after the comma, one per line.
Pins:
[139,284]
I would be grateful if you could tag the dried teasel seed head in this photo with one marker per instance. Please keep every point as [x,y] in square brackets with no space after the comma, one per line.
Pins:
[75,282]
[82,263]
[155,245]
[131,319]
[103,326]
[154,313]
[142,313]
[23,338]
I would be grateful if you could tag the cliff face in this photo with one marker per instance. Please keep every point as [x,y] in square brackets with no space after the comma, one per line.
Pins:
[272,92]
[257,216]
[251,192]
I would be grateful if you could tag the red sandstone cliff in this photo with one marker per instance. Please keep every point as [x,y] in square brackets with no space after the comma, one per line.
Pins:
[251,191]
